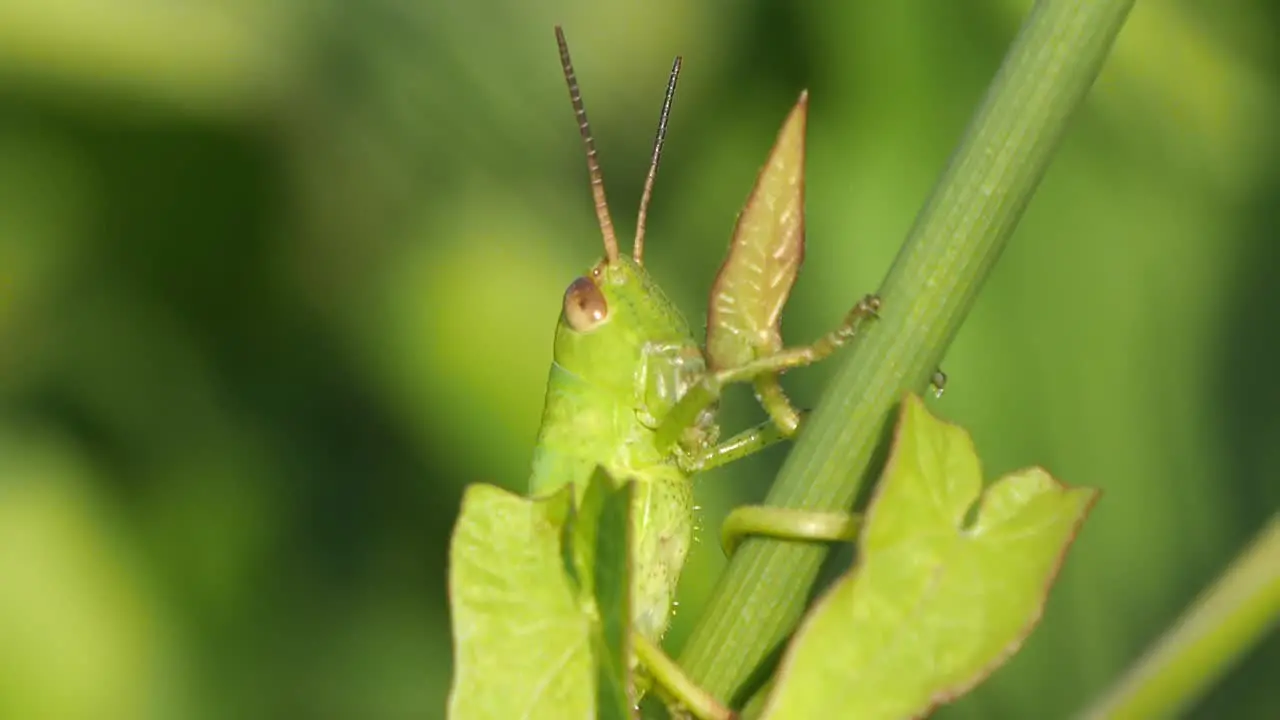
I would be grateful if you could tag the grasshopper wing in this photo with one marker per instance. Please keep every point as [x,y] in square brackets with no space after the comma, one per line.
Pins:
[743,318]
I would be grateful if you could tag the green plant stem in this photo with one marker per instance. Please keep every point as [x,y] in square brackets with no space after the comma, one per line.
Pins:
[1235,613]
[956,240]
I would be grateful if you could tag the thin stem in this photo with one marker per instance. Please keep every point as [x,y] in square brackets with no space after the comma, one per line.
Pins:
[804,525]
[668,675]
[1235,613]
[950,251]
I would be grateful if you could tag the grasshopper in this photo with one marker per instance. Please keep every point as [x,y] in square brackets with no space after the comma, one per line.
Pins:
[631,390]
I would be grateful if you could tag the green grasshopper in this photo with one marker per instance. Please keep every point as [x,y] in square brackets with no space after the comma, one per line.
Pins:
[631,390]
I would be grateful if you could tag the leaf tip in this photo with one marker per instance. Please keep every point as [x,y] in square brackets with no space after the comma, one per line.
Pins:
[796,119]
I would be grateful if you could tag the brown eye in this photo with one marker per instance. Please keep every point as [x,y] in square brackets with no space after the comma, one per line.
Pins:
[584,305]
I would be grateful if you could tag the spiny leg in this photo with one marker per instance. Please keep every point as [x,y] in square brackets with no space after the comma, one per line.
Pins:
[675,684]
[775,402]
[747,442]
[708,390]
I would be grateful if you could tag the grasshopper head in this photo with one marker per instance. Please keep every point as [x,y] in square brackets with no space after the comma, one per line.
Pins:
[610,318]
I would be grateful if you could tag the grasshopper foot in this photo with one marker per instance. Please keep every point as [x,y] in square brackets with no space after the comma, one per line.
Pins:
[867,308]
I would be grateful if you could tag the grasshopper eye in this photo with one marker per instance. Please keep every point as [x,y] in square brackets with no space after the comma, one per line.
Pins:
[584,305]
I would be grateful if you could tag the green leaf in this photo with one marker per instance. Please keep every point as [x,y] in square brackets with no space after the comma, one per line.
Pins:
[522,646]
[611,583]
[541,598]
[580,532]
[764,256]
[933,605]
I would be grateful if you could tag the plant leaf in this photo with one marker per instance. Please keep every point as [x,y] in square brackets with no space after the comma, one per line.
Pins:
[932,606]
[601,548]
[743,318]
[522,643]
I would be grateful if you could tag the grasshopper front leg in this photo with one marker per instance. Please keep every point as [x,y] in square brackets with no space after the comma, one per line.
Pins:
[785,421]
[763,373]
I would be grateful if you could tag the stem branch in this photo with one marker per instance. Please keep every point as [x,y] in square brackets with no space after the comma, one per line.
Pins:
[1234,614]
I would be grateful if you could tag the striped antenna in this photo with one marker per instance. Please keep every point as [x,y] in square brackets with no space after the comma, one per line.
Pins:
[638,250]
[593,164]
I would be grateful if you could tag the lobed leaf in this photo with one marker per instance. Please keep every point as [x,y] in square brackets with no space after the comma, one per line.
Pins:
[522,645]
[541,601]
[933,605]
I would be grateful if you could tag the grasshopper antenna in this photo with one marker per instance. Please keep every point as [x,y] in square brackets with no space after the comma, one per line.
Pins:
[638,248]
[593,164]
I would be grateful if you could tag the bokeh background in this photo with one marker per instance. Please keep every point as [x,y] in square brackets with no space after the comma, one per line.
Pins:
[278,279]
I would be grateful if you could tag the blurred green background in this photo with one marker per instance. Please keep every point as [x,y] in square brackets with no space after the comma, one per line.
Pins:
[278,279]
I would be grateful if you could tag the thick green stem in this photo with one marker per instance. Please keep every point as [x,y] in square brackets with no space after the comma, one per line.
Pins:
[931,286]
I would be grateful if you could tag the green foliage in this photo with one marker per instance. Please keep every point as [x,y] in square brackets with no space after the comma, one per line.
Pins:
[934,604]
[610,580]
[540,595]
[523,642]
[276,277]
[67,587]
